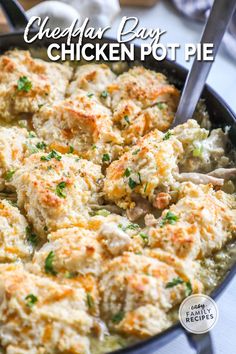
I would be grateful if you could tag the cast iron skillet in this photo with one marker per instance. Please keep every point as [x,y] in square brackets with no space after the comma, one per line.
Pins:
[220,114]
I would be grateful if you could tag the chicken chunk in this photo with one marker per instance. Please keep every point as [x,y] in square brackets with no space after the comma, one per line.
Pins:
[119,237]
[204,150]
[225,173]
[27,83]
[200,178]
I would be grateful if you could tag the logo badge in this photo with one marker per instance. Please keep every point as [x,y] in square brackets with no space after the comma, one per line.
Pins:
[198,313]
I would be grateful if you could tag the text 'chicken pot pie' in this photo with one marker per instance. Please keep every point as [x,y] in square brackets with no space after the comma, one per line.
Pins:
[108,220]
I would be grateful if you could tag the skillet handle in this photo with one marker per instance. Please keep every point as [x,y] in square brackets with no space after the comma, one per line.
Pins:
[15,14]
[202,343]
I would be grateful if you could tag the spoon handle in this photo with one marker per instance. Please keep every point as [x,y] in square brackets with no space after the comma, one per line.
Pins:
[15,14]
[219,18]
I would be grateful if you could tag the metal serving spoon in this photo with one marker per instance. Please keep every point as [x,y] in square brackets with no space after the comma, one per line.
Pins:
[220,15]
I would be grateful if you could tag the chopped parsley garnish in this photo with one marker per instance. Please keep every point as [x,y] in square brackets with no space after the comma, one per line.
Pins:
[24,84]
[90,301]
[197,152]
[189,288]
[60,190]
[145,187]
[139,178]
[94,147]
[101,212]
[13,203]
[90,94]
[71,275]
[52,155]
[144,237]
[40,105]
[132,184]
[126,118]
[167,135]
[104,94]
[32,149]
[48,266]
[41,146]
[174,282]
[177,281]
[161,105]
[132,227]
[31,300]
[128,227]
[8,175]
[106,158]
[118,317]
[169,218]
[71,149]
[32,135]
[22,123]
[31,236]
[127,172]
[136,152]
[45,228]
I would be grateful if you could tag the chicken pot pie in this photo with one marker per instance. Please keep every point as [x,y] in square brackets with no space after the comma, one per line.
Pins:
[108,220]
